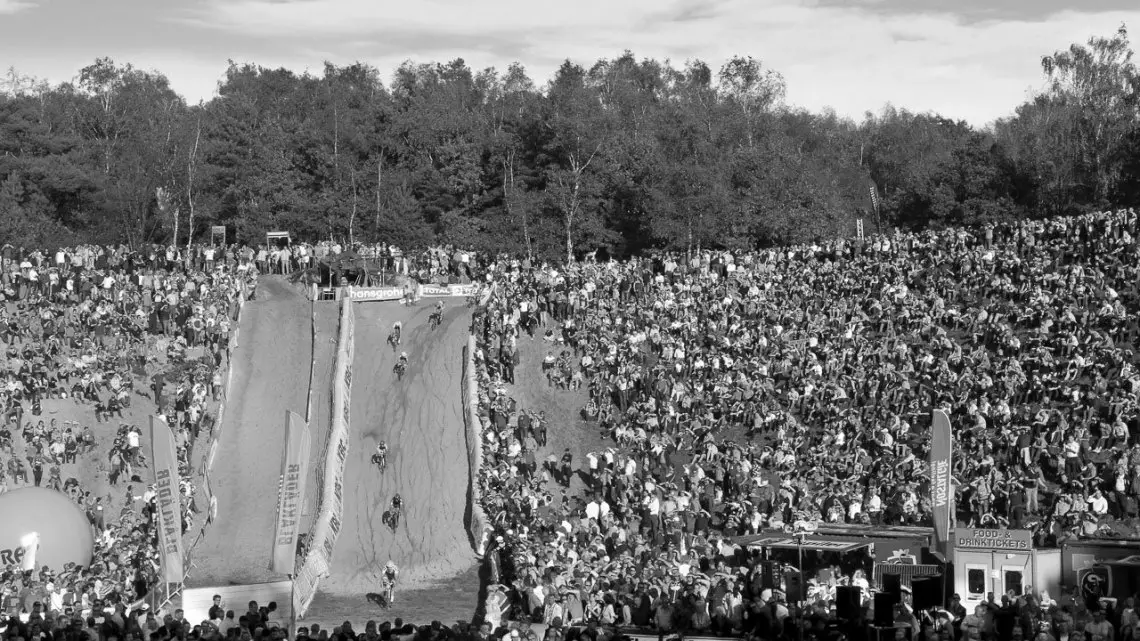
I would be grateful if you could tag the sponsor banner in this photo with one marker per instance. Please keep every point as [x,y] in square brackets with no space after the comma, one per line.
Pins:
[294,471]
[978,539]
[941,492]
[166,487]
[437,291]
[365,294]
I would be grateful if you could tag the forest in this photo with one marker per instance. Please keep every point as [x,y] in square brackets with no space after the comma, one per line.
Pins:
[625,156]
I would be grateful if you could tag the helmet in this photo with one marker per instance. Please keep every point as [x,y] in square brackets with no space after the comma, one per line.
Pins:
[403,354]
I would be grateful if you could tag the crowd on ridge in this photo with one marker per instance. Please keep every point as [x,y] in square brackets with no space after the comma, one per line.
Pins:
[97,327]
[801,379]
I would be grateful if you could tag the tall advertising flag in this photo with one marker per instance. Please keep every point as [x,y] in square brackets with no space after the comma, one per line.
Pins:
[168,494]
[941,492]
[291,493]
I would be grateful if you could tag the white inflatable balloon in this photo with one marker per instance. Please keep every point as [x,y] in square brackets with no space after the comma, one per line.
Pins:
[64,533]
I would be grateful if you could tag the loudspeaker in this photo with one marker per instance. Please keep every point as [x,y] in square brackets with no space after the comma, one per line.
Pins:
[884,609]
[848,602]
[793,588]
[768,580]
[926,592]
[892,584]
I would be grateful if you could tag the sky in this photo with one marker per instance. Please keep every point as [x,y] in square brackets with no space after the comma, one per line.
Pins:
[973,60]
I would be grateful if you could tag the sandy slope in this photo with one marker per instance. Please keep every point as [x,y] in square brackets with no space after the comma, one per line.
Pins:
[421,419]
[271,375]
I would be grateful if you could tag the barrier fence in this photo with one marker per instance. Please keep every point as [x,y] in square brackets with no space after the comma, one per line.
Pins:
[477,528]
[330,484]
[215,436]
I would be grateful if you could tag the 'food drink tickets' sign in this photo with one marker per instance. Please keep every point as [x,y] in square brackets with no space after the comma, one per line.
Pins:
[973,539]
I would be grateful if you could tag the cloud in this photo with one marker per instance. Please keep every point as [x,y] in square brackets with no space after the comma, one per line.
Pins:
[852,55]
[13,6]
[968,62]
[975,11]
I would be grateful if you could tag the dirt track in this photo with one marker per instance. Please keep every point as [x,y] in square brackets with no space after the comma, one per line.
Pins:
[421,419]
[270,375]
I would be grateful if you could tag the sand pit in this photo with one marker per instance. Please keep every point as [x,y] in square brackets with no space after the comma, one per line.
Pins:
[421,419]
[270,375]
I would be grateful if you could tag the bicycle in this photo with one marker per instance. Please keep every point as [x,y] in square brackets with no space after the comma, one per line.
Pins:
[435,319]
[399,369]
[391,518]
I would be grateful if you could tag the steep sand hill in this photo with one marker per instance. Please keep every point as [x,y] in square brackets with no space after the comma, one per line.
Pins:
[421,419]
[270,375]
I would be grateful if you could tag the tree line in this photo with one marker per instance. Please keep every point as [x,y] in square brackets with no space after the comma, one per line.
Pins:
[626,155]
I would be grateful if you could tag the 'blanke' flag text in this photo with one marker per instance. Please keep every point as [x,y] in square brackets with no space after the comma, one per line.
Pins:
[941,490]
[168,495]
[291,493]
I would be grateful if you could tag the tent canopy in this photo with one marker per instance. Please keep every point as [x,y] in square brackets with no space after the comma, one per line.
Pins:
[778,542]
[278,238]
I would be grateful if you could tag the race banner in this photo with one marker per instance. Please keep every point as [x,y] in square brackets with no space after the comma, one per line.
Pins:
[437,291]
[365,294]
[941,492]
[291,496]
[166,487]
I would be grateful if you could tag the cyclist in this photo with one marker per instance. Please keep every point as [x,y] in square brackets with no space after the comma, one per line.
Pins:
[403,359]
[397,504]
[391,575]
[381,457]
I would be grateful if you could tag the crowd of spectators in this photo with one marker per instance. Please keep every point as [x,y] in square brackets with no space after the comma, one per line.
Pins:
[432,265]
[746,391]
[96,327]
[740,392]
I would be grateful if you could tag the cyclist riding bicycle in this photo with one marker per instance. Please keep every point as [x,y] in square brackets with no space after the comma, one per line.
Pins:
[403,359]
[397,327]
[391,575]
[397,503]
[382,450]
